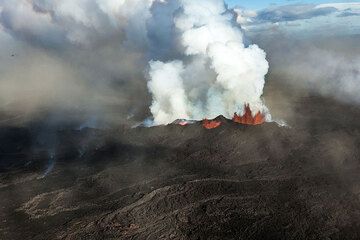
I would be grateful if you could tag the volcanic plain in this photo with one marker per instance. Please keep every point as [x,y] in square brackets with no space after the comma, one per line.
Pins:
[300,180]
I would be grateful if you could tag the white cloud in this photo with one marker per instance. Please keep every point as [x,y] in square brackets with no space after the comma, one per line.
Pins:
[304,19]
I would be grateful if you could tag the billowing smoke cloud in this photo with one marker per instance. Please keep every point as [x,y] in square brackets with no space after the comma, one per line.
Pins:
[84,22]
[86,56]
[106,55]
[216,73]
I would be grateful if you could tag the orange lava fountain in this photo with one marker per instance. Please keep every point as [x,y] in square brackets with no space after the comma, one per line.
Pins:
[248,118]
[211,124]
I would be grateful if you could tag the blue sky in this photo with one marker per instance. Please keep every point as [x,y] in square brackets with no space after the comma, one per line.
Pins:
[259,4]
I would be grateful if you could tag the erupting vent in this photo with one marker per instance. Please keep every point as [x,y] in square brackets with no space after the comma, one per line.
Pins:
[211,124]
[248,118]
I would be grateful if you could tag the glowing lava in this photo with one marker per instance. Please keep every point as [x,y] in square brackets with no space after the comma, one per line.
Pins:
[248,118]
[183,123]
[211,124]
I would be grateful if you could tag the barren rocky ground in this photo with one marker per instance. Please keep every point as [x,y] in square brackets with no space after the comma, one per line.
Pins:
[299,181]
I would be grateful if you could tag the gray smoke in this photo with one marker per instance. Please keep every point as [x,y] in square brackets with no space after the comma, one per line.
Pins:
[100,57]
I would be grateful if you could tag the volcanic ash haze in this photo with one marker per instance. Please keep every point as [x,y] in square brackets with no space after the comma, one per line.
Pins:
[215,73]
[186,58]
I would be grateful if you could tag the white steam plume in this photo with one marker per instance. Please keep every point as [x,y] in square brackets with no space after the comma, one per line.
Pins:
[215,73]
[198,63]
